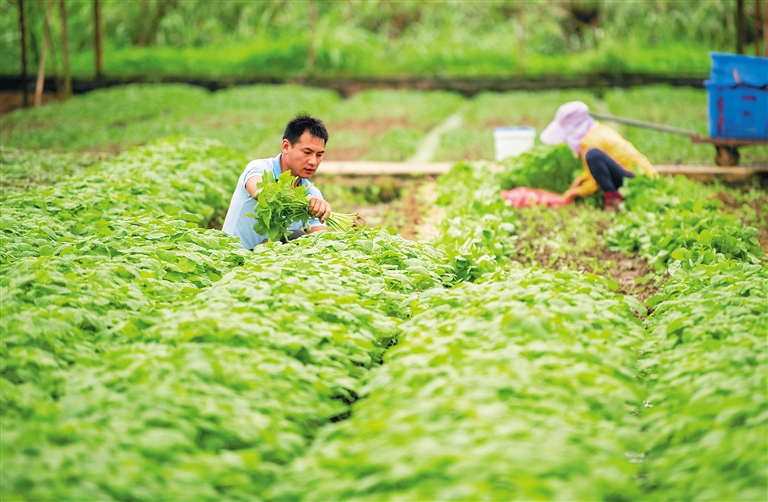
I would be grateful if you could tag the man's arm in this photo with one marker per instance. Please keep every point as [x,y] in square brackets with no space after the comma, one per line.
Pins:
[250,185]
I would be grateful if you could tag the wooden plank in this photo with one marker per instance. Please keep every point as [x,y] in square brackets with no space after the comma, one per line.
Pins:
[735,170]
[364,168]
[711,173]
[347,168]
[729,141]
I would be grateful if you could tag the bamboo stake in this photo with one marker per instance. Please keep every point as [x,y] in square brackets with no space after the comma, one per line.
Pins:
[521,37]
[758,21]
[40,76]
[22,25]
[312,21]
[65,49]
[740,26]
[49,42]
[765,29]
[97,39]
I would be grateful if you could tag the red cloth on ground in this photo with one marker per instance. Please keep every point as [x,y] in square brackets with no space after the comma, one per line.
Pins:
[527,197]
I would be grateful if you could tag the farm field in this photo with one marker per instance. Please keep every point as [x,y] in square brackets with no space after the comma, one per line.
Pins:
[249,120]
[275,39]
[496,353]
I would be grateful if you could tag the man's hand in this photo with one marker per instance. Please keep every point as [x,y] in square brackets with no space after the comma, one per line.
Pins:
[319,208]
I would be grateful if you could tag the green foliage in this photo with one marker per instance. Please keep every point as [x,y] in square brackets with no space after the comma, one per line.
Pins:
[518,388]
[386,125]
[281,203]
[81,257]
[678,219]
[249,119]
[21,170]
[381,125]
[409,109]
[704,358]
[118,384]
[145,358]
[701,371]
[375,125]
[184,179]
[477,232]
[378,37]
[211,396]
[546,167]
[705,364]
[108,119]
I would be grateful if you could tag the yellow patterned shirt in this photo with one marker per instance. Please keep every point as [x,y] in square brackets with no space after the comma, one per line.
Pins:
[621,150]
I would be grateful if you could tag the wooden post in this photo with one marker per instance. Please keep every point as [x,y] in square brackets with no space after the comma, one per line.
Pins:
[48,37]
[740,27]
[40,75]
[22,25]
[97,39]
[765,29]
[758,22]
[521,36]
[65,49]
[311,21]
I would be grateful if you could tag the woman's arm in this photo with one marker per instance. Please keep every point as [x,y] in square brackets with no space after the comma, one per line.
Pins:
[573,190]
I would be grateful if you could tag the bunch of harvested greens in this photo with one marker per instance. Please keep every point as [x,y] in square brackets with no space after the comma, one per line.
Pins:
[280,205]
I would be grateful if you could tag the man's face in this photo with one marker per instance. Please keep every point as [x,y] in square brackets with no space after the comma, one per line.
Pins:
[304,157]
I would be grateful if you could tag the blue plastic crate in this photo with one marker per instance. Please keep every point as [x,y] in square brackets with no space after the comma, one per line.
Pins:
[737,111]
[735,69]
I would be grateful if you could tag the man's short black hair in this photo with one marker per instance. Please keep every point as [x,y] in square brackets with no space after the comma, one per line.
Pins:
[302,123]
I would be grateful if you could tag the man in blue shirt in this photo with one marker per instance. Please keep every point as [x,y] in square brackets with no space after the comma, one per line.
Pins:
[304,142]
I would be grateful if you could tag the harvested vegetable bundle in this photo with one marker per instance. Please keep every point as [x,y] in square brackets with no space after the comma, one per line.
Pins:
[280,204]
[551,168]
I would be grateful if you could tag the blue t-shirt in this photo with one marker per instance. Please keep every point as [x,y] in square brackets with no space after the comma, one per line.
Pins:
[237,224]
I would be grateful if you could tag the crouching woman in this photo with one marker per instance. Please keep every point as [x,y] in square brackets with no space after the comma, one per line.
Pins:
[607,157]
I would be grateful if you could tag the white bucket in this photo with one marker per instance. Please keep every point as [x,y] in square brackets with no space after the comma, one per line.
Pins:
[512,141]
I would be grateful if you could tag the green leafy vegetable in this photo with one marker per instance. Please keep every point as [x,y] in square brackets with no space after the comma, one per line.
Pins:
[281,203]
[551,168]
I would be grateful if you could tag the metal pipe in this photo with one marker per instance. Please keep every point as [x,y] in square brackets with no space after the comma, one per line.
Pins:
[647,125]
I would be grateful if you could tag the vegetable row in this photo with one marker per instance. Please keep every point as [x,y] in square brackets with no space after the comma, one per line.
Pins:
[146,358]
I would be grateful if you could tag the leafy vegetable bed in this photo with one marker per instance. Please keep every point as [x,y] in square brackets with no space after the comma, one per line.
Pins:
[517,388]
[21,170]
[118,384]
[248,119]
[705,357]
[376,125]
[700,367]
[209,398]
[143,357]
